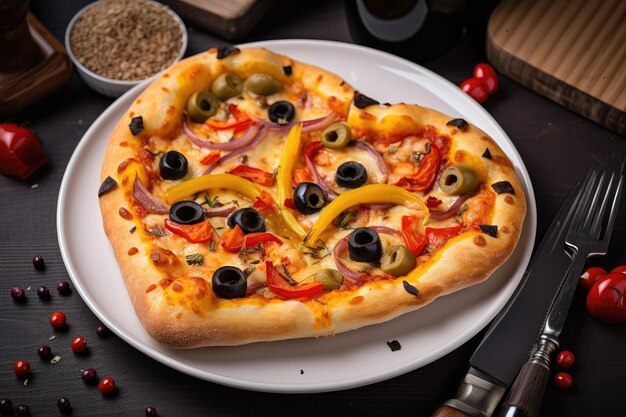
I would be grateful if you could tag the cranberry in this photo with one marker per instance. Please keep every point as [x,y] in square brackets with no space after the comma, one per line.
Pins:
[6,407]
[22,410]
[63,288]
[107,385]
[565,359]
[621,269]
[151,412]
[591,276]
[44,352]
[43,293]
[89,375]
[476,89]
[21,368]
[57,319]
[563,380]
[79,344]
[102,331]
[64,405]
[38,263]
[18,294]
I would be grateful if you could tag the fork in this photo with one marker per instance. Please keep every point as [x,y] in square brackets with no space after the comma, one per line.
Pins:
[589,235]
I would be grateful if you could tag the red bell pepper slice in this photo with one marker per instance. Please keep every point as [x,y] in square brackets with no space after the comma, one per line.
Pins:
[233,239]
[280,287]
[211,157]
[254,239]
[299,175]
[20,151]
[426,174]
[313,148]
[432,202]
[241,119]
[194,233]
[253,174]
[432,236]
[290,204]
[264,203]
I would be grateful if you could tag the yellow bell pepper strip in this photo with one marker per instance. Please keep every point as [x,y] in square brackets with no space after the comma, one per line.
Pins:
[211,181]
[283,178]
[368,194]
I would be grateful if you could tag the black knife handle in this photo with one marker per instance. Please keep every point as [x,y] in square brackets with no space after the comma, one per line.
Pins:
[524,398]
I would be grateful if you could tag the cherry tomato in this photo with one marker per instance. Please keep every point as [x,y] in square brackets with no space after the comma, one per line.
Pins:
[20,151]
[476,89]
[57,319]
[563,380]
[79,344]
[591,276]
[621,269]
[21,368]
[605,300]
[565,359]
[107,385]
[487,74]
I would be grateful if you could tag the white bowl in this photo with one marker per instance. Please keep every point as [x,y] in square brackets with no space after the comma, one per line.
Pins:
[108,86]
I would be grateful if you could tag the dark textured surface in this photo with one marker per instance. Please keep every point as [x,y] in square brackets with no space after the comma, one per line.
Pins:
[557,146]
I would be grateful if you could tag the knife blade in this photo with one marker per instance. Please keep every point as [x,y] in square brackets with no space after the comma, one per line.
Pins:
[493,368]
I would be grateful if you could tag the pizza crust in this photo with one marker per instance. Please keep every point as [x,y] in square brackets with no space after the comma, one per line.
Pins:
[184,313]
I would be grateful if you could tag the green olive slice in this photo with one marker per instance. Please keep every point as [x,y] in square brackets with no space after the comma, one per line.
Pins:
[226,86]
[397,261]
[201,106]
[336,136]
[331,279]
[262,84]
[458,180]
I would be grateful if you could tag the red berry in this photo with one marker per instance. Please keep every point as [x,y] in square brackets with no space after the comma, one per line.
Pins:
[565,359]
[563,380]
[476,89]
[57,319]
[621,269]
[591,276]
[79,344]
[21,368]
[107,385]
[487,74]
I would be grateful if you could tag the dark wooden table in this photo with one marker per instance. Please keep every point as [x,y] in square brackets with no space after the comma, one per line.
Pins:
[556,145]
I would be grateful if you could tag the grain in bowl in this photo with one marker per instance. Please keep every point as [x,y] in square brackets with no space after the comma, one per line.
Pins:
[115,44]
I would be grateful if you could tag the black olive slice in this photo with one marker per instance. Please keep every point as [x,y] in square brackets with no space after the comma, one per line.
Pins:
[491,230]
[362,101]
[287,70]
[487,154]
[107,185]
[281,112]
[224,51]
[364,245]
[173,166]
[351,174]
[503,187]
[229,282]
[248,219]
[186,212]
[309,198]
[460,124]
[136,125]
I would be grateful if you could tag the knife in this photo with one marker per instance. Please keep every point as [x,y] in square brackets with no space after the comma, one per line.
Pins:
[492,367]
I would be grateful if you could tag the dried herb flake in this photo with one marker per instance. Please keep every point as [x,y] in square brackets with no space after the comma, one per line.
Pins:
[224,51]
[287,70]
[487,154]
[491,230]
[107,185]
[132,229]
[394,345]
[157,231]
[195,259]
[362,101]
[460,124]
[410,288]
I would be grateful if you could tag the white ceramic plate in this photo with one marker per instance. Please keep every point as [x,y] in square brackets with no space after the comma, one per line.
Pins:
[347,360]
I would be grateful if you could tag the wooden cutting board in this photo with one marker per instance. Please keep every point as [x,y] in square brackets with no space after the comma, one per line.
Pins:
[231,19]
[571,51]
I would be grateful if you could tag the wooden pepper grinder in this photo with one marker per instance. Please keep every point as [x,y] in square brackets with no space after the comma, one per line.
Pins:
[33,63]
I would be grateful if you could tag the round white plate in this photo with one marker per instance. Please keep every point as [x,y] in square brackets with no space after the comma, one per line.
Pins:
[347,360]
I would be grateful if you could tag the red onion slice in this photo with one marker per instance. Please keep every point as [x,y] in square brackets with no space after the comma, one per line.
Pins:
[222,211]
[317,178]
[245,139]
[261,133]
[451,211]
[342,244]
[307,125]
[147,200]
[378,159]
